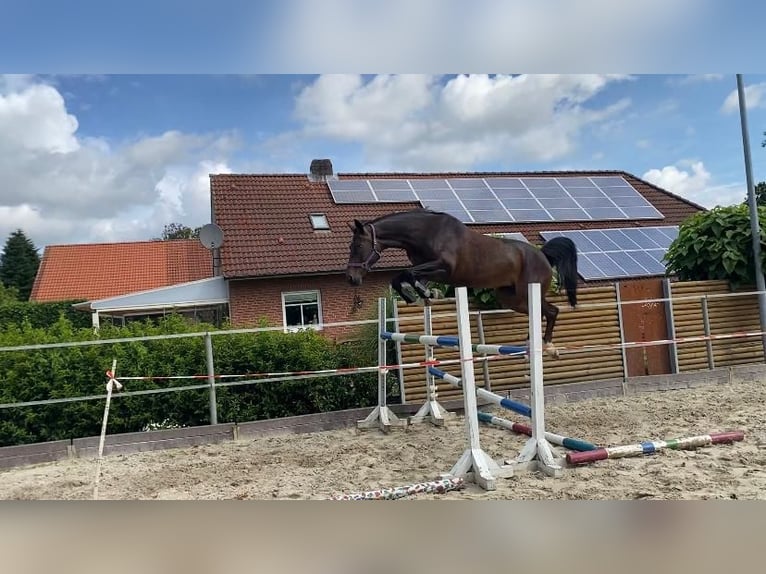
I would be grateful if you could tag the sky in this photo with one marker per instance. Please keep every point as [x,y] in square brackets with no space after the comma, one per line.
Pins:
[101,158]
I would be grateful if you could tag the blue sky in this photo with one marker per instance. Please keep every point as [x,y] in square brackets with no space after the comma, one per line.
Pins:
[115,157]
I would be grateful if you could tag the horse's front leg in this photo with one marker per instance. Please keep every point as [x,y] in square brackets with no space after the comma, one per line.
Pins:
[435,270]
[396,284]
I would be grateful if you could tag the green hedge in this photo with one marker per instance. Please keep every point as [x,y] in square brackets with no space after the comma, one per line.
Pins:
[80,371]
[41,314]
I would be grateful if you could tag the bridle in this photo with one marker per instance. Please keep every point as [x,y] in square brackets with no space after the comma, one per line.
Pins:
[374,255]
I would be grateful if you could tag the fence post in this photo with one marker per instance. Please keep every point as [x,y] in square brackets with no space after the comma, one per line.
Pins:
[484,364]
[621,326]
[671,323]
[211,378]
[708,340]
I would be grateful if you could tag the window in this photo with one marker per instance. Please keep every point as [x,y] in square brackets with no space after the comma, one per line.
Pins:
[319,221]
[301,310]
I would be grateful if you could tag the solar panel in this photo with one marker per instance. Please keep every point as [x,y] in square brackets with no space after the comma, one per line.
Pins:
[351,191]
[452,207]
[615,253]
[525,199]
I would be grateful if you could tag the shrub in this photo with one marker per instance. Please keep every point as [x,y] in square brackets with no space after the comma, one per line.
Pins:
[716,244]
[80,371]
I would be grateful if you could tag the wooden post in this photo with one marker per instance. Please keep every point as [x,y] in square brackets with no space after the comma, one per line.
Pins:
[621,325]
[673,347]
[708,341]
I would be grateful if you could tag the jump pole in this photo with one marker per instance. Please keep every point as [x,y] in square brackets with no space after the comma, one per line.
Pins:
[511,405]
[431,408]
[474,464]
[381,416]
[553,438]
[651,447]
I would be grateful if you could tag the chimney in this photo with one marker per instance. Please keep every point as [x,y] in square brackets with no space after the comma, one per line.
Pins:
[320,169]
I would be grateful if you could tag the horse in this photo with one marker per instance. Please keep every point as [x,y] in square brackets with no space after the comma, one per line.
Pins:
[442,248]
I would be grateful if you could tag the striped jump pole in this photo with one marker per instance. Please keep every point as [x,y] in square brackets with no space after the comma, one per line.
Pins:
[452,341]
[651,447]
[520,408]
[509,404]
[557,439]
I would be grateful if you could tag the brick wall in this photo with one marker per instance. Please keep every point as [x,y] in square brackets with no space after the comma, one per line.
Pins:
[251,301]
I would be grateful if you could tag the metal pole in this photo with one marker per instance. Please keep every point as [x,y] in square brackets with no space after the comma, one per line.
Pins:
[211,378]
[708,341]
[755,227]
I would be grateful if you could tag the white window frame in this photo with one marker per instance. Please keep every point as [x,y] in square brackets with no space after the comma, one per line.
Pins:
[319,228]
[293,328]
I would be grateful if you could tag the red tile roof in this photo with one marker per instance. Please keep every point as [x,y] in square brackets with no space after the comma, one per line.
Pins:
[97,271]
[267,231]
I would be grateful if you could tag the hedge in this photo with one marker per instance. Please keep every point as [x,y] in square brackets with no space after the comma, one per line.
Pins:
[80,371]
[41,314]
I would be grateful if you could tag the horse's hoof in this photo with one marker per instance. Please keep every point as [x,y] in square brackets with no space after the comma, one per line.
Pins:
[552,351]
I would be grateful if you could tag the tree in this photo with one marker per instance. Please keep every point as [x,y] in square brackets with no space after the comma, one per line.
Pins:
[760,193]
[19,263]
[178,231]
[8,295]
[717,244]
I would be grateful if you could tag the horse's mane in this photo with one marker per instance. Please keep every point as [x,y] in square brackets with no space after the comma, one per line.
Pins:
[416,211]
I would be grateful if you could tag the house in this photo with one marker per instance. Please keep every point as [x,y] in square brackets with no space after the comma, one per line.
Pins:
[131,279]
[286,236]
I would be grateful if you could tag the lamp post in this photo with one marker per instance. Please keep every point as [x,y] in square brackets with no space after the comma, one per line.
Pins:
[755,227]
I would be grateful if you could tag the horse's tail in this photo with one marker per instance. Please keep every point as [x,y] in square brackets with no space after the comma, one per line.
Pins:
[561,253]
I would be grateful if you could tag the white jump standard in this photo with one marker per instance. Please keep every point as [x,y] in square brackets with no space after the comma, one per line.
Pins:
[474,464]
[431,408]
[381,416]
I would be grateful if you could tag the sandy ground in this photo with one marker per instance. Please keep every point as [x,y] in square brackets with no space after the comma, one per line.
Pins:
[317,466]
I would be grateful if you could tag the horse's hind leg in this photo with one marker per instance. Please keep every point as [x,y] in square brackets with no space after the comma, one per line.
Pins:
[550,312]
[516,298]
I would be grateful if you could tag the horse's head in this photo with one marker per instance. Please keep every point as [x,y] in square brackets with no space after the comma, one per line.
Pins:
[364,251]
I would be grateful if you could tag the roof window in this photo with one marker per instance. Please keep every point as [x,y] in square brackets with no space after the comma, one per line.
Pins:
[319,221]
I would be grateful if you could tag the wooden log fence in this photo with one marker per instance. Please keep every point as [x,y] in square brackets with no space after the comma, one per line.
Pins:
[695,309]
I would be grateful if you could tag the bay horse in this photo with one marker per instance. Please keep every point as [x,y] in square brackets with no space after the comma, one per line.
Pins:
[442,248]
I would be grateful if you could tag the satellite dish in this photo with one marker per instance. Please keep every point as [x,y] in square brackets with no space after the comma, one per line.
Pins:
[211,236]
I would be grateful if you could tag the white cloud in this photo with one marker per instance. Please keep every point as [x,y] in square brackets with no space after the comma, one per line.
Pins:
[488,34]
[61,187]
[755,97]
[695,184]
[696,79]
[422,122]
